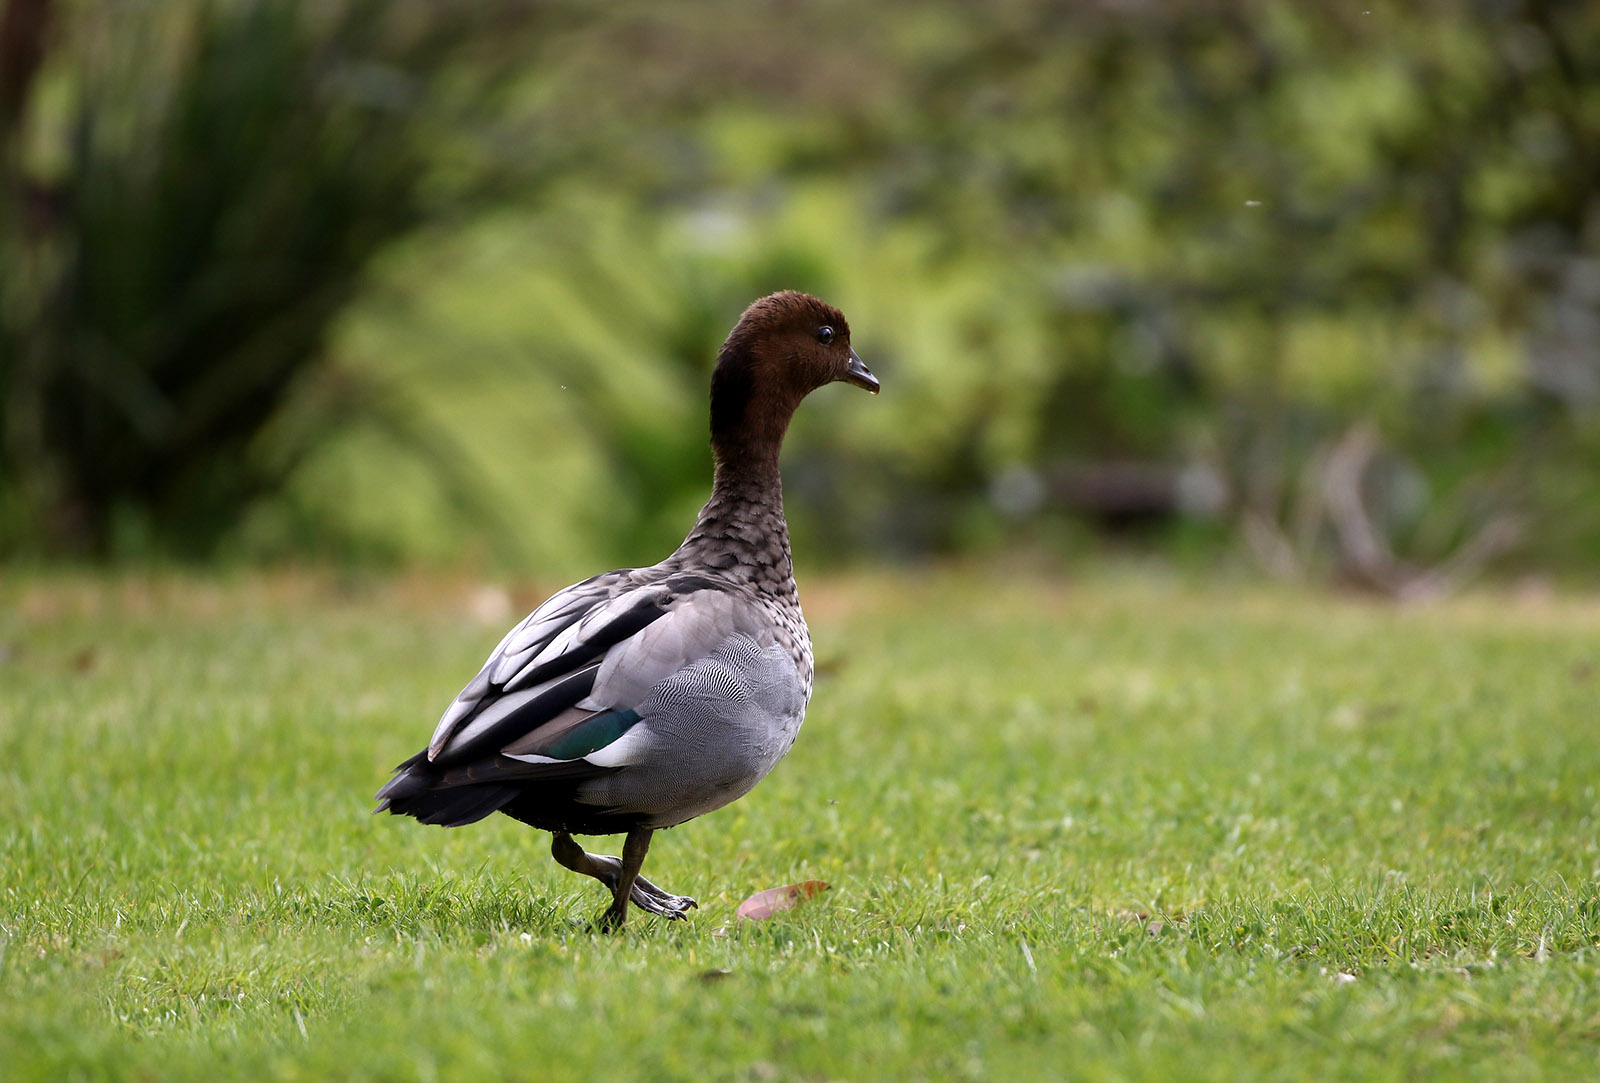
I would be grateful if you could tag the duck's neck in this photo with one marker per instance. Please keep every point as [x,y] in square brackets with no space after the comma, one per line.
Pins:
[741,531]
[747,490]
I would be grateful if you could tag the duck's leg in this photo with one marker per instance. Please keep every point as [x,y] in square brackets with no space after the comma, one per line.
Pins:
[633,851]
[608,870]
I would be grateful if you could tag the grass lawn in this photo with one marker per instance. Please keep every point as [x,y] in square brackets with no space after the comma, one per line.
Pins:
[1116,827]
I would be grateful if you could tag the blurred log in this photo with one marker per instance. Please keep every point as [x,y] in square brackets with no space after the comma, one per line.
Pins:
[1117,495]
[1127,494]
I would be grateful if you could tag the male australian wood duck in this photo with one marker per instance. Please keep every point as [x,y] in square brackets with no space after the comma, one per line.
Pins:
[645,697]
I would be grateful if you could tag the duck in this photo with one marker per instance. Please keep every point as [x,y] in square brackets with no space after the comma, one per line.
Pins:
[642,698]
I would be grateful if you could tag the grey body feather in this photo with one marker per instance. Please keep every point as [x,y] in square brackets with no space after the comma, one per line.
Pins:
[712,730]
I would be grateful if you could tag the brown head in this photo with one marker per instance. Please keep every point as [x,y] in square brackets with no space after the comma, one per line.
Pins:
[784,347]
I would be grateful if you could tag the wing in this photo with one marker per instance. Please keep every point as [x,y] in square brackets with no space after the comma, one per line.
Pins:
[564,684]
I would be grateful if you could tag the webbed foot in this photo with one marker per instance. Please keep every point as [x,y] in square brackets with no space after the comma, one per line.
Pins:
[614,872]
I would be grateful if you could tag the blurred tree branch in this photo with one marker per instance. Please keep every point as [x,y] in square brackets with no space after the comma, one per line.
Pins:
[23,25]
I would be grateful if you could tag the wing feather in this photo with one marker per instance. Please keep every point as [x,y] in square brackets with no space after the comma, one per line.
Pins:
[691,630]
[506,717]
[565,683]
[528,640]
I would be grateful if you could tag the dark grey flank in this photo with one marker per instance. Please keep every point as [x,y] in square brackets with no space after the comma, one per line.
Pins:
[644,697]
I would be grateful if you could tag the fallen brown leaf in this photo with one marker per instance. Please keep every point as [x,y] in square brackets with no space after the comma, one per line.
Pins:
[763,904]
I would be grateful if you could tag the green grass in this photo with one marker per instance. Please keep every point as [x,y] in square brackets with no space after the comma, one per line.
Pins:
[1120,830]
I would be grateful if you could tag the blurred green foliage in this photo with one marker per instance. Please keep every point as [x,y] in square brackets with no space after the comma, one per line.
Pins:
[194,191]
[1319,278]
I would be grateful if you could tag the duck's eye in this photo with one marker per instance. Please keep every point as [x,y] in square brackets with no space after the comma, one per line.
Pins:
[825,335]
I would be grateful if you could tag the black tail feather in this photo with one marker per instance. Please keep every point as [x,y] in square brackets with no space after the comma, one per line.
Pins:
[418,789]
[544,795]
